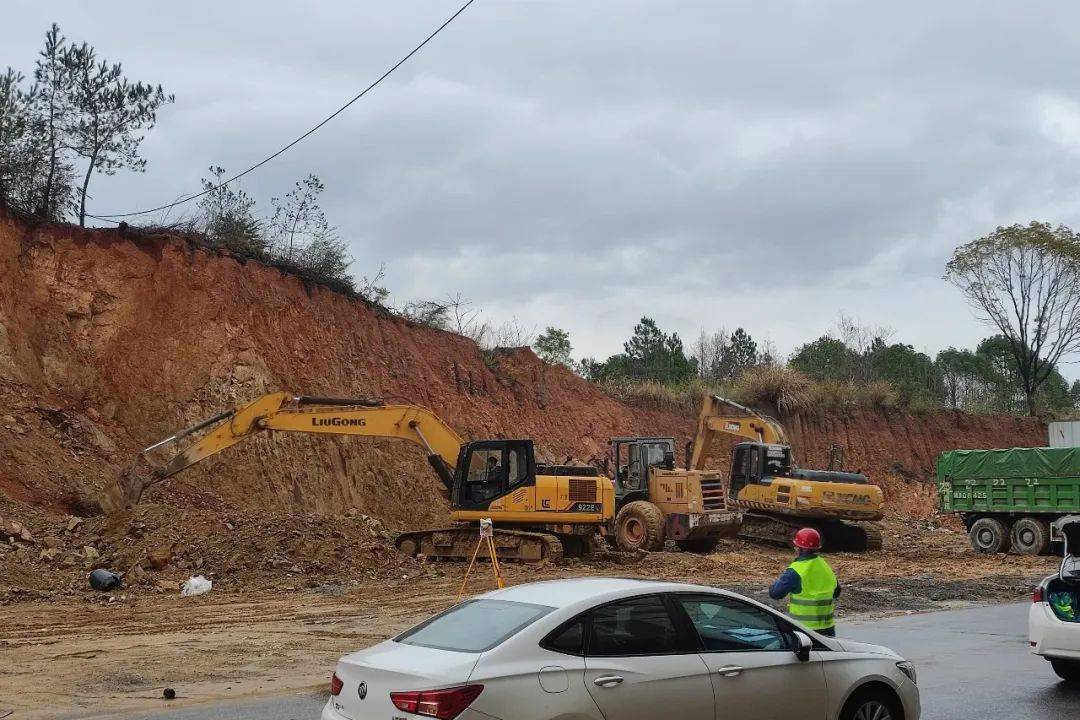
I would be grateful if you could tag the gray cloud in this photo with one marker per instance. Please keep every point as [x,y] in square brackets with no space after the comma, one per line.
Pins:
[585,163]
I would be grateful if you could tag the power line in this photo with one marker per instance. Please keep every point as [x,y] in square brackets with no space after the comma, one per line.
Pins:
[284,149]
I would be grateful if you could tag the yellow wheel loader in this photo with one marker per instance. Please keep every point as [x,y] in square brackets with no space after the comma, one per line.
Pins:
[777,497]
[540,511]
[655,501]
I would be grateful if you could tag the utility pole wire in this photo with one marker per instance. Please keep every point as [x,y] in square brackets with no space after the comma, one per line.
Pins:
[256,166]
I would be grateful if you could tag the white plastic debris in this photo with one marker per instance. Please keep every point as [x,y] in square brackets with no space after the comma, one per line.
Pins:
[196,585]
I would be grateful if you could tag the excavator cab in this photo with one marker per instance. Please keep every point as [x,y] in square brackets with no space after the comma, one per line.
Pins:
[755,463]
[490,469]
[633,457]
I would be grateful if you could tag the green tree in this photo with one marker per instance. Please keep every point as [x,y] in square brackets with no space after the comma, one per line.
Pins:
[826,359]
[109,115]
[1006,390]
[227,216]
[967,379]
[553,346]
[910,372]
[52,110]
[1025,282]
[17,143]
[326,260]
[652,354]
[741,353]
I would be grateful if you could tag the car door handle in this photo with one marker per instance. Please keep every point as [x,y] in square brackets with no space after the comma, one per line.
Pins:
[729,670]
[607,681]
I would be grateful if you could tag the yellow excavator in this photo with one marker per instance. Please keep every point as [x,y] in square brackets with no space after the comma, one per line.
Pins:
[777,497]
[540,512]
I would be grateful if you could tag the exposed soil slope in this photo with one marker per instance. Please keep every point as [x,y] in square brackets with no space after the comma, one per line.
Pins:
[110,340]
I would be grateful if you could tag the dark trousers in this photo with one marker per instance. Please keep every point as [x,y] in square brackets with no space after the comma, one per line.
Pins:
[828,632]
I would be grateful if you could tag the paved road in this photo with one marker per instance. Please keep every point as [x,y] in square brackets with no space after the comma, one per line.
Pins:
[972,663]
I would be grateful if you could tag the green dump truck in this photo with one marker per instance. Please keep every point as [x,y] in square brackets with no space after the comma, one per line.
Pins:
[1008,498]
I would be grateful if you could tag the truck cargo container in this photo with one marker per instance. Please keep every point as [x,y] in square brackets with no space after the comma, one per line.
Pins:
[1009,498]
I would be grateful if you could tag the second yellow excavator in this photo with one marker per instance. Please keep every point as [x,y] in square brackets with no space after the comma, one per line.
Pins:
[777,497]
[540,511]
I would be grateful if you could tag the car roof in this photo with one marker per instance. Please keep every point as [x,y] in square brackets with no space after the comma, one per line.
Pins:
[569,592]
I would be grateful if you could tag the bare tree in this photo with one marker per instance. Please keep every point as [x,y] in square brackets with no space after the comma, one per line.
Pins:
[1025,281]
[298,219]
[862,339]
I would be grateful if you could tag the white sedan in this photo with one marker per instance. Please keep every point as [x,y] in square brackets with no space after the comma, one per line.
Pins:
[619,649]
[1054,617]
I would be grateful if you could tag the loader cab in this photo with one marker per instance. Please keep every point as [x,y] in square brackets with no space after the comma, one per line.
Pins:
[489,469]
[755,463]
[633,456]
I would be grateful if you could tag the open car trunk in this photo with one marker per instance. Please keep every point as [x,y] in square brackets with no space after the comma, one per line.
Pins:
[1063,592]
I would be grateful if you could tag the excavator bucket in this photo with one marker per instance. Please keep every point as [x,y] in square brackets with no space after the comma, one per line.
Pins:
[128,487]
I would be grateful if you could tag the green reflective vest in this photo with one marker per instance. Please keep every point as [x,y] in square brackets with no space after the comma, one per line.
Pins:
[814,604]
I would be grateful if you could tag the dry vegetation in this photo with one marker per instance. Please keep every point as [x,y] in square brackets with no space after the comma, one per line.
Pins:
[776,388]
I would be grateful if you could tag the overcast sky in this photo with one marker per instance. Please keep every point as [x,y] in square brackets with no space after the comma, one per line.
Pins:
[584,163]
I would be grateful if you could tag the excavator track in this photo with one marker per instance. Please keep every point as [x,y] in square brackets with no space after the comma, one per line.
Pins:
[459,543]
[838,535]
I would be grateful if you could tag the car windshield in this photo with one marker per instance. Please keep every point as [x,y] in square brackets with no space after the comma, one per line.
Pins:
[474,626]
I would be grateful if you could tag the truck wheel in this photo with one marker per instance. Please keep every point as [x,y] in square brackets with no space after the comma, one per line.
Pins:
[640,526]
[1067,670]
[989,535]
[1030,536]
[700,545]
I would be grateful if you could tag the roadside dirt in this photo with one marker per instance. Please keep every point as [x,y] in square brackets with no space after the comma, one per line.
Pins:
[93,652]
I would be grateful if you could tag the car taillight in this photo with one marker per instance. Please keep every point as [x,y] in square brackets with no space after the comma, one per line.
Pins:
[1037,595]
[335,684]
[443,704]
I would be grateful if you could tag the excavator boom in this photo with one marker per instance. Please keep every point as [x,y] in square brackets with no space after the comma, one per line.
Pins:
[543,511]
[284,412]
[720,415]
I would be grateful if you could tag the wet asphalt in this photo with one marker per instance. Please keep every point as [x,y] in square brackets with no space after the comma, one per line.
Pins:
[972,663]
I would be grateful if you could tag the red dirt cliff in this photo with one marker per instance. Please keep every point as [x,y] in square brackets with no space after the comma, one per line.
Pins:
[110,340]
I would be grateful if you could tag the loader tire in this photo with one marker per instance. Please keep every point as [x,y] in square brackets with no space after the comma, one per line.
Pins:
[700,545]
[640,526]
[1030,536]
[990,536]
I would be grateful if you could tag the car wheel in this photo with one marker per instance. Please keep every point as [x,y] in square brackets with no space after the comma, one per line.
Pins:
[871,704]
[640,526]
[1067,670]
[989,535]
[1030,536]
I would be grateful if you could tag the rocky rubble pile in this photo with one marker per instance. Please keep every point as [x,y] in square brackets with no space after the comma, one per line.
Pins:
[157,547]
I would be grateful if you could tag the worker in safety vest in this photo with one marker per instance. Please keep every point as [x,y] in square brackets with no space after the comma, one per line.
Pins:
[810,585]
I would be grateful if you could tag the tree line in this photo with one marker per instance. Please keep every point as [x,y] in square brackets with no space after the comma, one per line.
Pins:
[1023,281]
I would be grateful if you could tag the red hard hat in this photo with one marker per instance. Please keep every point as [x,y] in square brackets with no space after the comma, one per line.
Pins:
[808,539]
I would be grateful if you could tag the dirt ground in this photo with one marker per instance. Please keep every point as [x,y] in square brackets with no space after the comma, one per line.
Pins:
[82,653]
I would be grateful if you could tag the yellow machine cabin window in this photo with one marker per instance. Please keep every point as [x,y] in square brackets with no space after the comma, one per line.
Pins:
[494,471]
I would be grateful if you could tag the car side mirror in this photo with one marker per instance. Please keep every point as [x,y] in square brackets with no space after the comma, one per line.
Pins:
[803,646]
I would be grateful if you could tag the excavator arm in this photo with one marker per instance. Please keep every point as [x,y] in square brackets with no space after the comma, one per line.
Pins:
[283,412]
[720,415]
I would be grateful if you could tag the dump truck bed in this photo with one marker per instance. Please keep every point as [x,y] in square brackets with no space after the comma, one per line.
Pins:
[1016,480]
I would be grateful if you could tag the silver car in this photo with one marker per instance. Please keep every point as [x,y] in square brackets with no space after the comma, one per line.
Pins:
[619,649]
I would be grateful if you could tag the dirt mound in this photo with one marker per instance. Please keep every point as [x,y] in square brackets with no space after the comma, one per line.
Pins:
[158,547]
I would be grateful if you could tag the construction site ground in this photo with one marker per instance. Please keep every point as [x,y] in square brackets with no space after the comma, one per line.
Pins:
[78,652]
